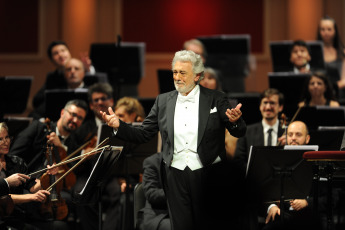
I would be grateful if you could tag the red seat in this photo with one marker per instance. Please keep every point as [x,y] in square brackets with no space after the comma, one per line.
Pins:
[324,156]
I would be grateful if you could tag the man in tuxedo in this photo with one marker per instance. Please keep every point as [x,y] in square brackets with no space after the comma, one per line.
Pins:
[191,120]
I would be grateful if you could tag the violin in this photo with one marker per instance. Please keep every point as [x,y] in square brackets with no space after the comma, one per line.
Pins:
[55,207]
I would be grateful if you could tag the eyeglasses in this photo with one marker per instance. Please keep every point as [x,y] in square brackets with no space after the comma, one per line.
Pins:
[7,138]
[80,118]
[103,99]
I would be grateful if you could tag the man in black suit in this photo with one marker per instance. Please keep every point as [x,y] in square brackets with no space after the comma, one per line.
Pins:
[30,144]
[155,212]
[191,121]
[258,134]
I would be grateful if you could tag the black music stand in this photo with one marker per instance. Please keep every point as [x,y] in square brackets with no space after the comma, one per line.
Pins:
[92,190]
[123,62]
[130,162]
[281,52]
[229,54]
[291,85]
[275,174]
[14,94]
[56,99]
[165,80]
[90,79]
[251,103]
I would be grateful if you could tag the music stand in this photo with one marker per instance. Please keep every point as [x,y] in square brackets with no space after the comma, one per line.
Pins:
[90,79]
[165,80]
[124,63]
[229,54]
[281,52]
[14,94]
[275,174]
[131,160]
[56,99]
[92,190]
[291,85]
[250,109]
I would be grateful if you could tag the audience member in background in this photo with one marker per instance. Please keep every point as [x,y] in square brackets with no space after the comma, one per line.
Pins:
[197,47]
[297,212]
[333,53]
[58,53]
[10,166]
[155,212]
[318,91]
[300,57]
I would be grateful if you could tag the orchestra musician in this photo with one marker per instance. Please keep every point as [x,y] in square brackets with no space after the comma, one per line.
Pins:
[25,190]
[30,144]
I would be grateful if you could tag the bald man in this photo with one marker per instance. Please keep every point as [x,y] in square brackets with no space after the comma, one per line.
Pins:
[297,134]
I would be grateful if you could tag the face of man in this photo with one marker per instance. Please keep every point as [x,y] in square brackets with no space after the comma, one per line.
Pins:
[60,55]
[71,118]
[297,134]
[74,73]
[124,116]
[184,78]
[270,108]
[300,56]
[100,102]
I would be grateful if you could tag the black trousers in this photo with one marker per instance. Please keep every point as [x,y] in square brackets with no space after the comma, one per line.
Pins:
[206,198]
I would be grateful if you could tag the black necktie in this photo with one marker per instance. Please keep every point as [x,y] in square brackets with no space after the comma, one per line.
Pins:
[269,139]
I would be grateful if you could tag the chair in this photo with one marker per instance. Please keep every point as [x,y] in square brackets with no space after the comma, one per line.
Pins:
[139,200]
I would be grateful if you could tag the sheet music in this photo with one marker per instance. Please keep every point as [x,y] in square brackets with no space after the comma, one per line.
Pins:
[302,147]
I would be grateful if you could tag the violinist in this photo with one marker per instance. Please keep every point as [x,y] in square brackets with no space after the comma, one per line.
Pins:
[100,96]
[14,168]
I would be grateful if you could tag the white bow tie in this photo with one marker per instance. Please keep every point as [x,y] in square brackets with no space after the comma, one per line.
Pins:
[183,99]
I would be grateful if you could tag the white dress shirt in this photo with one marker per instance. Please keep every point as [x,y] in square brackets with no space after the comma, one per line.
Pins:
[274,132]
[186,121]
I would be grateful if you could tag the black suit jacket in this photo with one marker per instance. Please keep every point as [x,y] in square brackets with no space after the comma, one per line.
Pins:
[212,123]
[156,203]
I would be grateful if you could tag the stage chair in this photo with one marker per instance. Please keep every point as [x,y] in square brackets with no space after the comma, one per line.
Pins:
[139,200]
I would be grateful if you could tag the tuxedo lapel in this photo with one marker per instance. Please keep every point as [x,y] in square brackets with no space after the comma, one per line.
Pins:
[205,102]
[170,111]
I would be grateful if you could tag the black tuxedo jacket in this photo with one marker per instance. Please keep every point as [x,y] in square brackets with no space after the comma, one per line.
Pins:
[211,129]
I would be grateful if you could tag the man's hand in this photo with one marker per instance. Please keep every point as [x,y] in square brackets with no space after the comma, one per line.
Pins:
[274,210]
[54,139]
[282,140]
[298,204]
[234,114]
[112,120]
[16,179]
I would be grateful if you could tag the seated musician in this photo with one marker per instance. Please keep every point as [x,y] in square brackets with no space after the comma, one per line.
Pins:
[30,144]
[297,213]
[300,57]
[15,169]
